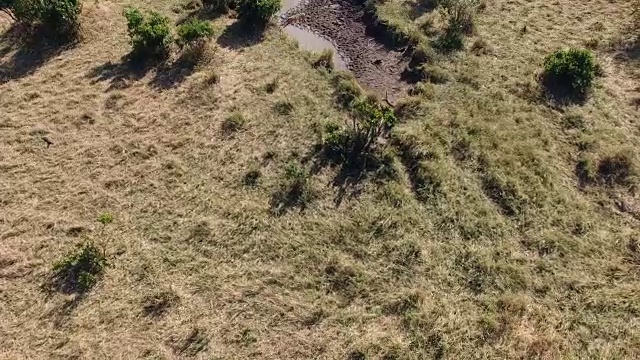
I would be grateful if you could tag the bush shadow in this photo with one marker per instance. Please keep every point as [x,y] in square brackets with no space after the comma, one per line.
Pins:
[32,50]
[240,35]
[557,95]
[203,13]
[120,75]
[353,169]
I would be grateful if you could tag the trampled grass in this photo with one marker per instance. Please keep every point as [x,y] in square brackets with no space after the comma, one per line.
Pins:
[500,225]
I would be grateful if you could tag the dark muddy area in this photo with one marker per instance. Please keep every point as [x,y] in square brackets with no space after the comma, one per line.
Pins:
[353,32]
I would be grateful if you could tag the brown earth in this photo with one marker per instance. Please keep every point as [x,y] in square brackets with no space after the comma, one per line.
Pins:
[376,65]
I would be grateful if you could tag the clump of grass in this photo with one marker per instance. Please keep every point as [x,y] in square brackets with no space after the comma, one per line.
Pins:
[234,122]
[423,53]
[426,90]
[346,87]
[105,218]
[294,191]
[271,86]
[251,177]
[79,270]
[436,75]
[459,15]
[213,78]
[324,60]
[481,47]
[574,121]
[159,303]
[283,107]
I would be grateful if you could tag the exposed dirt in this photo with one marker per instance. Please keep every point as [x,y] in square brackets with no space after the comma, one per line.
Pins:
[344,23]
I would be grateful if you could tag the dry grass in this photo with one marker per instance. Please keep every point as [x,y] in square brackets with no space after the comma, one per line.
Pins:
[484,244]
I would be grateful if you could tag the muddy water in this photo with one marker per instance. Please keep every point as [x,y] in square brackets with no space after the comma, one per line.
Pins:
[341,25]
[308,40]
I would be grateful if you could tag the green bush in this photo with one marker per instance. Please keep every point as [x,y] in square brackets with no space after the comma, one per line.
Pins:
[78,271]
[369,121]
[150,36]
[571,71]
[257,12]
[193,31]
[58,18]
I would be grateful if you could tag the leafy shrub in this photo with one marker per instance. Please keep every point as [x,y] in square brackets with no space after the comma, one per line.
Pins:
[58,18]
[193,31]
[78,271]
[192,38]
[369,121]
[257,12]
[150,36]
[324,60]
[569,72]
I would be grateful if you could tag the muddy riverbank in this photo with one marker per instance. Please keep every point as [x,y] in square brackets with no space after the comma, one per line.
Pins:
[344,24]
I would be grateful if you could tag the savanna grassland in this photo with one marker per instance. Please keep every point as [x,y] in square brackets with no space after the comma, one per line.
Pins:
[493,221]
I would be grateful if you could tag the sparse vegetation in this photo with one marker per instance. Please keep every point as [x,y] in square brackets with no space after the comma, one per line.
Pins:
[233,122]
[483,222]
[569,72]
[324,60]
[79,270]
[150,34]
[294,191]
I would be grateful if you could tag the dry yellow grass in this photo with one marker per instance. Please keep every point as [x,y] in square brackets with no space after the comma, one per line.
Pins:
[507,257]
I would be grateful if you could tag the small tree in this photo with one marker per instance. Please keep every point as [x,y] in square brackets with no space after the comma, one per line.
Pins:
[59,18]
[569,72]
[258,12]
[150,36]
[369,121]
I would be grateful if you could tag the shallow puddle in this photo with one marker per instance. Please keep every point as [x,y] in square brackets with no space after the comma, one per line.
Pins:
[309,40]
[313,42]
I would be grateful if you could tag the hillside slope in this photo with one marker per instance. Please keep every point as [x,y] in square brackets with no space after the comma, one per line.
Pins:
[478,237]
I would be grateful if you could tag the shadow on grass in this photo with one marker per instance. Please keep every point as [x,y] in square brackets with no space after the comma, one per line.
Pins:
[558,95]
[240,35]
[203,13]
[120,75]
[419,8]
[353,169]
[31,50]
